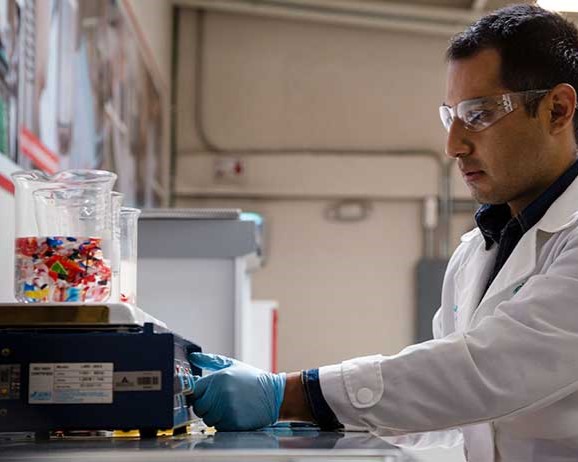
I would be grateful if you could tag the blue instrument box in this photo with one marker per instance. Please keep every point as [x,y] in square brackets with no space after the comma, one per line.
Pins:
[101,377]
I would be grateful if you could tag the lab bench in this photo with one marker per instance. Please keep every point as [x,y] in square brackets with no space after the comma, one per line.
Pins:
[272,444]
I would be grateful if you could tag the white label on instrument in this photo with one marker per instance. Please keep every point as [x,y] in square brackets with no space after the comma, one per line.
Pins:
[137,381]
[70,383]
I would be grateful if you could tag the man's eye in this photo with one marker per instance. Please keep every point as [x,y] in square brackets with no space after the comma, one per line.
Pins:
[478,116]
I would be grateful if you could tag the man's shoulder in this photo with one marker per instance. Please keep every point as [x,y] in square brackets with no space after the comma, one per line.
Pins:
[471,235]
[468,242]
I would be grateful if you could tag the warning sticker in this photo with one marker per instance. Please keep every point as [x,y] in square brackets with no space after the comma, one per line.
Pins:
[137,381]
[70,383]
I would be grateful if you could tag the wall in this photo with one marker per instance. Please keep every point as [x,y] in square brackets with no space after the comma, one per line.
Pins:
[272,85]
[7,219]
[272,82]
[7,247]
[155,25]
[152,22]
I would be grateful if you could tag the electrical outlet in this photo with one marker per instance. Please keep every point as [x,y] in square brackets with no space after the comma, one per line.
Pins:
[229,170]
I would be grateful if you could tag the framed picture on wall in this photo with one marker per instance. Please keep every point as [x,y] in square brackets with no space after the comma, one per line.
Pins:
[9,72]
[88,99]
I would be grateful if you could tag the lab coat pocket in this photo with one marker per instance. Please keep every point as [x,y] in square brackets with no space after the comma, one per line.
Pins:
[363,380]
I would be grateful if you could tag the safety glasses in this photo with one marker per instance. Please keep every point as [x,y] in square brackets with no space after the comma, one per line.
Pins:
[481,113]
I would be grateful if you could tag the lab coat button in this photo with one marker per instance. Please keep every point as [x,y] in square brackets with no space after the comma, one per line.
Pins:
[364,395]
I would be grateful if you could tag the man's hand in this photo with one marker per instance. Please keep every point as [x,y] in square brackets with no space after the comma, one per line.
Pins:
[236,397]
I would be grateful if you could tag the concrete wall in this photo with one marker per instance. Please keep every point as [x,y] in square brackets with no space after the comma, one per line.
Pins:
[345,289]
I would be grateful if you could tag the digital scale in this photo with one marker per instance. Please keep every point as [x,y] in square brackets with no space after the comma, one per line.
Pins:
[68,367]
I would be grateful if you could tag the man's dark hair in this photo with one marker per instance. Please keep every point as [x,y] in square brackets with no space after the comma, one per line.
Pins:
[538,48]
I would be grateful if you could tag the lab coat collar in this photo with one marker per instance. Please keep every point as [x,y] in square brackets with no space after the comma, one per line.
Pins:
[562,214]
[472,234]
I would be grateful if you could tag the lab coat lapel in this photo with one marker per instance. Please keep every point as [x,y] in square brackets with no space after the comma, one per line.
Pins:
[471,280]
[522,263]
[518,267]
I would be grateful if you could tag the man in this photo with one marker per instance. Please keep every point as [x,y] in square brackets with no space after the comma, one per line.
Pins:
[502,372]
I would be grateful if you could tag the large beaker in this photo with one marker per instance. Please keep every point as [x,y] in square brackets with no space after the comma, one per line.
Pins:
[64,233]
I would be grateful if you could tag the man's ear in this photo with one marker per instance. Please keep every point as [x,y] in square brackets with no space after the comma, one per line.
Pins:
[561,107]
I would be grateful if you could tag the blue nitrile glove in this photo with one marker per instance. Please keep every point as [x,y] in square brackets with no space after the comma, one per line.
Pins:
[236,396]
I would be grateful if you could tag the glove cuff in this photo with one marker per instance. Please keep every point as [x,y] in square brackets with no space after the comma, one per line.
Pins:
[278,381]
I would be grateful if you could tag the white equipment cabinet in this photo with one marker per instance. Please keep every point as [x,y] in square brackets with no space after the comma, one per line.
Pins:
[260,341]
[194,273]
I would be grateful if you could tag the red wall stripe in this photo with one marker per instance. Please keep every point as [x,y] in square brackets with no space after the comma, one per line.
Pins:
[6,184]
[274,342]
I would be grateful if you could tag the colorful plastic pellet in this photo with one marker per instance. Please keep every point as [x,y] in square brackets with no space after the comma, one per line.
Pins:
[61,269]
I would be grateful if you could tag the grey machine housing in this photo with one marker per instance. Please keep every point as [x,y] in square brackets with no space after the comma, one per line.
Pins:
[194,270]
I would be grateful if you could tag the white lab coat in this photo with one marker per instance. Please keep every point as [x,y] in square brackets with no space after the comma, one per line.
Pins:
[502,372]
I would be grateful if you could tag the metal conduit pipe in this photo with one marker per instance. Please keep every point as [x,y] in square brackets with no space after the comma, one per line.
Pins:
[447,207]
[213,148]
[430,223]
[399,17]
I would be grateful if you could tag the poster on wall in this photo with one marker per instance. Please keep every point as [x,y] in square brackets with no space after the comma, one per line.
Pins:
[88,99]
[9,65]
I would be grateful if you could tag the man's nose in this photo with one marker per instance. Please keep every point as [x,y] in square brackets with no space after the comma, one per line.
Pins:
[457,144]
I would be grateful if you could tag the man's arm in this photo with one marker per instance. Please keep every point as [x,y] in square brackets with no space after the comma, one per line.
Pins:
[294,405]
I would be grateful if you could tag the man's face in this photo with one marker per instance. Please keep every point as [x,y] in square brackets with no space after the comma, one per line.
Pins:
[505,162]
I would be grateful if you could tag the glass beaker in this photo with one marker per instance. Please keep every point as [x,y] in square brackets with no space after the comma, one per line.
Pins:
[116,205]
[71,259]
[128,253]
[63,228]
[26,182]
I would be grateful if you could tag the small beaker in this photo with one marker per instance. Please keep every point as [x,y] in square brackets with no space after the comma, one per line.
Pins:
[115,208]
[128,254]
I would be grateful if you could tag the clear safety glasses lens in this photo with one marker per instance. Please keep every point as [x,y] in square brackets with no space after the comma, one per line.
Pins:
[479,114]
